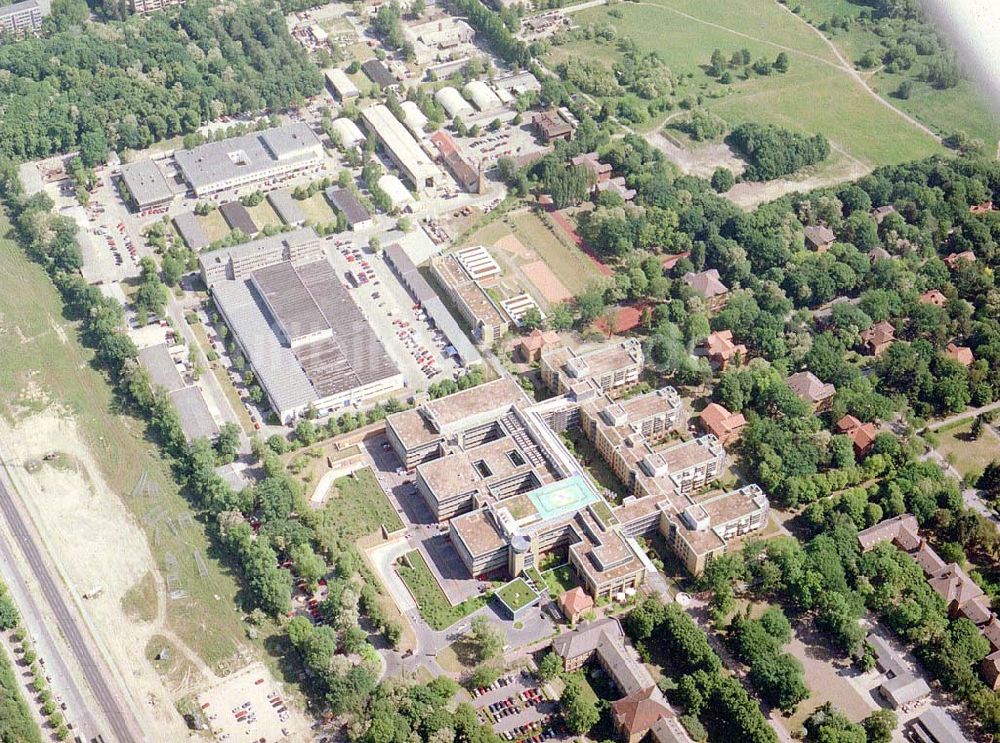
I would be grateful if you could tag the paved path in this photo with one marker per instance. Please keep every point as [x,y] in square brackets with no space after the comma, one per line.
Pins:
[124,726]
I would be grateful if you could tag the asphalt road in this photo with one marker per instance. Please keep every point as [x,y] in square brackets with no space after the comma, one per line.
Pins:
[123,724]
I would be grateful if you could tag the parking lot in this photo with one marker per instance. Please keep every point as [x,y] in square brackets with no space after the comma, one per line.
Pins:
[517,710]
[417,349]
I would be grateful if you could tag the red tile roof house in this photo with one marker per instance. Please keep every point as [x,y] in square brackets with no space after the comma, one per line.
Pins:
[962,354]
[934,297]
[722,424]
[636,714]
[709,286]
[722,350]
[819,237]
[530,347]
[574,603]
[862,434]
[878,338]
[808,388]
[954,260]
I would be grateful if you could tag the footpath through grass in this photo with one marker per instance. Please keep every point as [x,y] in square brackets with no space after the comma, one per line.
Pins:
[431,601]
[814,95]
[43,364]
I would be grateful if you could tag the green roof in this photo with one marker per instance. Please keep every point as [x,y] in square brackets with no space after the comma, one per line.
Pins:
[517,594]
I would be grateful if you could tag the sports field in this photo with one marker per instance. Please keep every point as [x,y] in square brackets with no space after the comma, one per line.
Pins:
[817,94]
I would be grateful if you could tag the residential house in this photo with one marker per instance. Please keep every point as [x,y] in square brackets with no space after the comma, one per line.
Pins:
[954,260]
[722,424]
[861,434]
[722,350]
[877,339]
[530,347]
[962,354]
[709,286]
[808,388]
[819,237]
[934,297]
[574,603]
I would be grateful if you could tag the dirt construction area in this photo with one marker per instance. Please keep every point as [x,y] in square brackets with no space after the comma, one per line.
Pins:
[93,539]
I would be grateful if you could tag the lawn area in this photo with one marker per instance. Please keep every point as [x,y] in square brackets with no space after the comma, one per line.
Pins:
[357,507]
[225,381]
[959,108]
[317,209]
[214,225]
[815,95]
[263,215]
[431,601]
[594,464]
[964,454]
[567,262]
[559,580]
[39,351]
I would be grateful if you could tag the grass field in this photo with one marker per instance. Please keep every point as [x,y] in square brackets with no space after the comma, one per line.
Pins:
[141,601]
[214,225]
[357,507]
[559,580]
[964,454]
[263,215]
[39,350]
[431,601]
[317,209]
[959,108]
[815,95]
[572,267]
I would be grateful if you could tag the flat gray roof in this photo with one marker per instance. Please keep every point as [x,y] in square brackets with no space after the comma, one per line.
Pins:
[351,356]
[213,162]
[18,7]
[289,301]
[196,419]
[238,218]
[288,209]
[145,181]
[161,367]
[189,227]
[378,73]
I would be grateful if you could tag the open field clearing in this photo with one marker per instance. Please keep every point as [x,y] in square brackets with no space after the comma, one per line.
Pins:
[817,94]
[959,108]
[964,454]
[106,503]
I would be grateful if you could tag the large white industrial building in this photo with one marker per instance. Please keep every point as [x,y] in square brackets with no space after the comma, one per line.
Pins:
[405,152]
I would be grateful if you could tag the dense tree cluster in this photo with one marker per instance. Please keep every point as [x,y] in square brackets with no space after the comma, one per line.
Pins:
[154,77]
[668,635]
[778,677]
[772,152]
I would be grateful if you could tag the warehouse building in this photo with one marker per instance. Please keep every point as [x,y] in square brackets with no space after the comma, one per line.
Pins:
[239,261]
[378,73]
[250,160]
[146,185]
[287,208]
[191,231]
[414,119]
[342,87]
[401,147]
[346,202]
[448,153]
[306,341]
[510,87]
[238,218]
[397,192]
[481,96]
[452,102]
[350,135]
